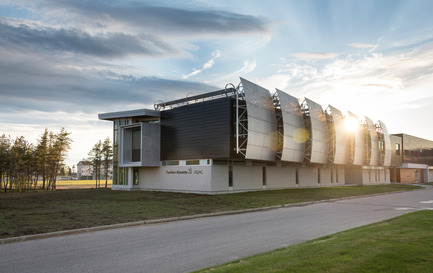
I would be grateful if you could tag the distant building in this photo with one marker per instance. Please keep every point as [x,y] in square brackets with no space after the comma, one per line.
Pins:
[244,138]
[84,170]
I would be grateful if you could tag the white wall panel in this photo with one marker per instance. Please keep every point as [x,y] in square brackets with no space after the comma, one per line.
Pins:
[358,148]
[291,111]
[262,122]
[387,140]
[340,136]
[374,143]
[280,177]
[319,133]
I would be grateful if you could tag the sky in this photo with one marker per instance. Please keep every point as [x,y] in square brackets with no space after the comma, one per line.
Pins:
[64,62]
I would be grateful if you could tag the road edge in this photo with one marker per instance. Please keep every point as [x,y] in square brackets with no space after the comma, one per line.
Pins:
[178,218]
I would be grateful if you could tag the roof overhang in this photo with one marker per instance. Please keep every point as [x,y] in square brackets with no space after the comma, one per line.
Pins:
[129,114]
[413,166]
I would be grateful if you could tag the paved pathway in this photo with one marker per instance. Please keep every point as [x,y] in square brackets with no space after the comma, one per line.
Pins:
[188,245]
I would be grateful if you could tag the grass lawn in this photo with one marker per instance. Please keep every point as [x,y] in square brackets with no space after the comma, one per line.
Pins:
[78,184]
[402,244]
[36,212]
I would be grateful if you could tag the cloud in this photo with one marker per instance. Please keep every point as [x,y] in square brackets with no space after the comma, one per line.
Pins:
[376,83]
[361,45]
[209,64]
[176,20]
[314,56]
[50,84]
[106,45]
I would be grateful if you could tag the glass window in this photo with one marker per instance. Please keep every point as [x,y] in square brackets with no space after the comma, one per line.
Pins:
[114,176]
[332,175]
[170,163]
[193,162]
[230,176]
[336,175]
[120,176]
[136,144]
[397,149]
[135,176]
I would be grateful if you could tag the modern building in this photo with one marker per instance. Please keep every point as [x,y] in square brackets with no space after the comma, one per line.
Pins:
[243,138]
[413,159]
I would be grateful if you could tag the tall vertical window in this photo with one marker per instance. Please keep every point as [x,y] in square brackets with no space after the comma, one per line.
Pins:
[115,151]
[297,176]
[230,176]
[397,148]
[332,175]
[318,175]
[135,176]
[136,144]
[121,178]
[264,176]
[336,175]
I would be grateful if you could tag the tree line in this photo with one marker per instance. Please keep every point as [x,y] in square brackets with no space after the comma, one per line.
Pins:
[101,156]
[22,164]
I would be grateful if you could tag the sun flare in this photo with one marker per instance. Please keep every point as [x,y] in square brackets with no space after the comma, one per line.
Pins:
[351,123]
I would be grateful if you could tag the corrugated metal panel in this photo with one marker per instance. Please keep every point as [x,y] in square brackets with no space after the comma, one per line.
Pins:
[374,143]
[262,122]
[340,136]
[200,130]
[319,133]
[358,148]
[293,122]
[387,140]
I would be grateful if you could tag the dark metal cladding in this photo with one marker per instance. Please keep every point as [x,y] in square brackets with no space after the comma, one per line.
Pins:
[197,131]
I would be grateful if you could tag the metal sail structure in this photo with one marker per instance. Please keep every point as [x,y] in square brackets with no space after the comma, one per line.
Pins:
[371,143]
[356,142]
[294,133]
[261,129]
[384,144]
[315,122]
[337,136]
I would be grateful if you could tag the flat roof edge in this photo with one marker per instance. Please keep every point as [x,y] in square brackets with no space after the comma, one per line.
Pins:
[130,114]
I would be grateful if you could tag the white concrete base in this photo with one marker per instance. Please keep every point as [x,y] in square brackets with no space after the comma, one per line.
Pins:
[214,179]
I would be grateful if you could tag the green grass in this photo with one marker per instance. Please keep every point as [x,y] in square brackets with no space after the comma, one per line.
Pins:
[36,212]
[402,244]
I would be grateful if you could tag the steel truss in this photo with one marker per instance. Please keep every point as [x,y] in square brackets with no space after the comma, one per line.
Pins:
[226,92]
[241,121]
[381,142]
[367,142]
[280,125]
[307,123]
[332,141]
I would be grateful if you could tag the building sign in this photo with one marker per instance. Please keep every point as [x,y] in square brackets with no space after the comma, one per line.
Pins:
[189,171]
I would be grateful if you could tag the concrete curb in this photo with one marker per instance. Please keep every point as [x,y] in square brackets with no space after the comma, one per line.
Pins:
[179,218]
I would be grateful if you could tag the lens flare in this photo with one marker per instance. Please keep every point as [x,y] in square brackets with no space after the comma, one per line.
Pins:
[351,124]
[301,135]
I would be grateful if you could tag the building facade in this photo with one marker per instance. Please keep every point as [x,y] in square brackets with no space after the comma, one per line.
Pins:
[84,170]
[412,161]
[243,138]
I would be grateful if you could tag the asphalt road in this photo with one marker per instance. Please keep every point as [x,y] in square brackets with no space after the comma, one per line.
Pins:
[189,245]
